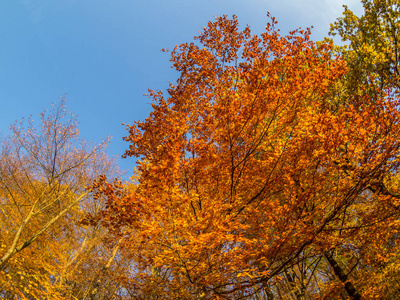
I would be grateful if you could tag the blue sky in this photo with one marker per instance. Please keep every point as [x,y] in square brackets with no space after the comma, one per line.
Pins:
[105,54]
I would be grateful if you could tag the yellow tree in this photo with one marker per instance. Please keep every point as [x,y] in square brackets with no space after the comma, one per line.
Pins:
[45,170]
[373,51]
[372,55]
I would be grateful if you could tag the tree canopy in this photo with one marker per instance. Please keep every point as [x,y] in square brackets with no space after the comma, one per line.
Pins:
[252,182]
[269,170]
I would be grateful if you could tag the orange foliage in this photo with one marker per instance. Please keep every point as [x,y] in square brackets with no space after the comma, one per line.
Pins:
[247,169]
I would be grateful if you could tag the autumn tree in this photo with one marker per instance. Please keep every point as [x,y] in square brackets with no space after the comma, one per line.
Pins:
[250,179]
[372,43]
[45,170]
[371,53]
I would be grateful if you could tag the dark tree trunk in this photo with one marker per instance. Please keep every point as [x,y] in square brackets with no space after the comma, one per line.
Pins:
[348,286]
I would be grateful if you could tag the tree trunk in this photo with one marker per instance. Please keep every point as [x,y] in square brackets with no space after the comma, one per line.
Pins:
[348,286]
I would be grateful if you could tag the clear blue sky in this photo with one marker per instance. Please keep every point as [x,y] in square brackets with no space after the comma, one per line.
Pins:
[105,54]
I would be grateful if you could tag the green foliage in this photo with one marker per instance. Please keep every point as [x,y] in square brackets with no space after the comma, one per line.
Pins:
[373,50]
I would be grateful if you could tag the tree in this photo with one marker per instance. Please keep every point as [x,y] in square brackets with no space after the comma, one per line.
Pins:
[44,174]
[249,173]
[372,57]
[373,39]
